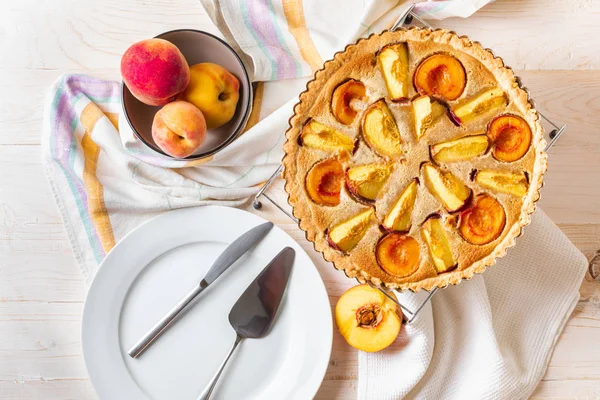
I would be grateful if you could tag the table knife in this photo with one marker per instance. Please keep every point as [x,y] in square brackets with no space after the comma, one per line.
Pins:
[230,255]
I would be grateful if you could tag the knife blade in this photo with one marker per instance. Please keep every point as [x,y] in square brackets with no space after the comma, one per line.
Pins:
[229,256]
[253,313]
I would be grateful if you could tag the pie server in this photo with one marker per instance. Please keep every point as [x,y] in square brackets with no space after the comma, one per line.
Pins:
[253,313]
[230,255]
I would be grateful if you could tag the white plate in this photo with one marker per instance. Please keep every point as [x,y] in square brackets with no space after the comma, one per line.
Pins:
[153,267]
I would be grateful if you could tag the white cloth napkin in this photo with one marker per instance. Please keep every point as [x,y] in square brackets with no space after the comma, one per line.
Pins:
[488,338]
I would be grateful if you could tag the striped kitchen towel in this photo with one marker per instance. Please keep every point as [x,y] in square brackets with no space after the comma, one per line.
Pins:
[104,190]
[285,39]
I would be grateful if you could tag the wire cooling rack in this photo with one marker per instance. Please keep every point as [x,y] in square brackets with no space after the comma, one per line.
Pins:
[407,18]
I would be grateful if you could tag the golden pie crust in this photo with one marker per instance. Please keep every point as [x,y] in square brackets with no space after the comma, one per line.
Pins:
[358,61]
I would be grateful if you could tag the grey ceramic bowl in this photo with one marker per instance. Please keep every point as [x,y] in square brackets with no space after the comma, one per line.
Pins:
[197,47]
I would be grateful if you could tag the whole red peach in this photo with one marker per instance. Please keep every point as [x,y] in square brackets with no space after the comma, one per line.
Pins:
[179,129]
[155,71]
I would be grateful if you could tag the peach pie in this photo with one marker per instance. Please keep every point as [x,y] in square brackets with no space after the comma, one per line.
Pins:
[414,159]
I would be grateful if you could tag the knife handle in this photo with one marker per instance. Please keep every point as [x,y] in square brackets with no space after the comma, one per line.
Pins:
[158,328]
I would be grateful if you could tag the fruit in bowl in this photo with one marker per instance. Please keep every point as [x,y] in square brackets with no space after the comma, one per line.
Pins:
[215,91]
[179,129]
[155,71]
[367,319]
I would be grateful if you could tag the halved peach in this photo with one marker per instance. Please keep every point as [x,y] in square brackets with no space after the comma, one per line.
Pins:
[380,131]
[461,149]
[435,237]
[511,136]
[342,98]
[345,235]
[515,183]
[441,75]
[483,221]
[322,137]
[399,217]
[365,181]
[398,254]
[487,101]
[393,62]
[447,188]
[367,319]
[425,113]
[324,182]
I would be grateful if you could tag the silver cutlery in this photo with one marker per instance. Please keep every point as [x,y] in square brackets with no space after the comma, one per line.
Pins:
[252,315]
[230,255]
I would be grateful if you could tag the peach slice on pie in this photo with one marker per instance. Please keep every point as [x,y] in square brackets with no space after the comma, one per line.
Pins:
[465,148]
[434,235]
[345,235]
[399,217]
[398,254]
[322,137]
[365,181]
[425,113]
[367,319]
[393,62]
[483,221]
[446,187]
[342,98]
[324,182]
[487,101]
[380,131]
[511,137]
[514,183]
[441,75]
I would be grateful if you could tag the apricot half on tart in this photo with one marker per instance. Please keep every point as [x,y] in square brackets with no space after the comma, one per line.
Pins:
[511,137]
[324,182]
[487,101]
[441,75]
[398,254]
[342,98]
[465,148]
[447,188]
[380,131]
[393,63]
[322,137]
[365,181]
[367,319]
[345,235]
[514,183]
[399,218]
[434,235]
[483,221]
[425,113]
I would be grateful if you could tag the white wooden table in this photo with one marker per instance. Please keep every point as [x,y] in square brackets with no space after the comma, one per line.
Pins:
[553,45]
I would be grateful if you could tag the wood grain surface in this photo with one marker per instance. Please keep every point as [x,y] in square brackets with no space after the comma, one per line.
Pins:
[553,45]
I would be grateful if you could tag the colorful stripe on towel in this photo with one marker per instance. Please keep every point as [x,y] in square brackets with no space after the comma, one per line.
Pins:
[64,150]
